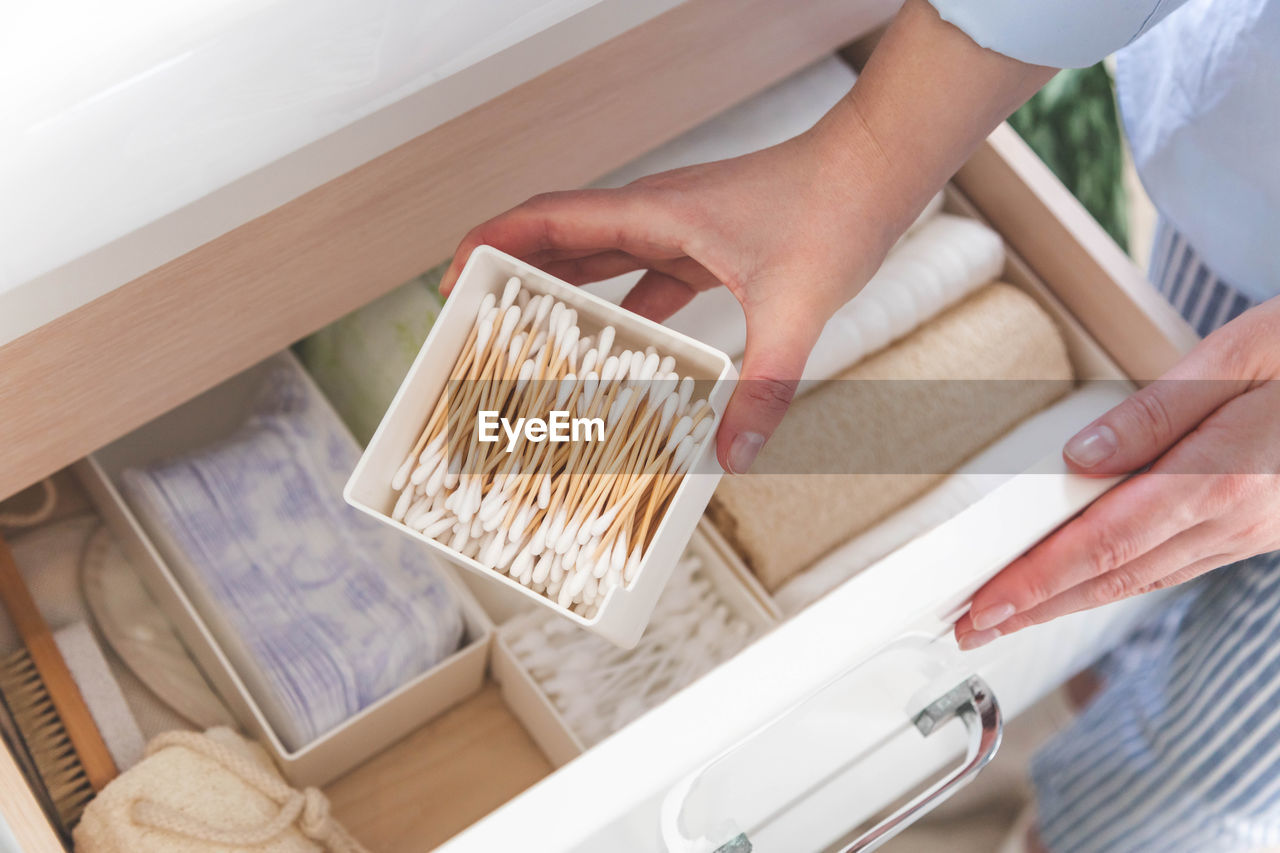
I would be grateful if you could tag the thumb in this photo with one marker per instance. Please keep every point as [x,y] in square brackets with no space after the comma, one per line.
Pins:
[1136,432]
[778,344]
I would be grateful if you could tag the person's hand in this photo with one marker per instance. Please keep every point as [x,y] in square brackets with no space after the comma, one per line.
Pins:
[1210,431]
[781,228]
[793,231]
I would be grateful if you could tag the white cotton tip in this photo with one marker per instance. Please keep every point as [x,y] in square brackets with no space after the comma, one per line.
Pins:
[522,567]
[584,531]
[678,432]
[538,542]
[556,528]
[571,556]
[609,370]
[509,551]
[401,478]
[542,568]
[620,404]
[601,524]
[437,478]
[520,524]
[683,456]
[508,326]
[516,345]
[544,492]
[590,384]
[434,448]
[483,332]
[567,537]
[568,342]
[525,374]
[633,566]
[528,310]
[492,520]
[575,583]
[565,598]
[661,387]
[606,341]
[437,527]
[589,360]
[476,529]
[557,567]
[618,555]
[493,552]
[589,590]
[544,308]
[700,409]
[423,516]
[669,407]
[599,565]
[567,384]
[636,369]
[420,475]
[461,536]
[539,341]
[686,392]
[510,292]
[701,430]
[401,509]
[611,580]
[487,304]
[650,350]
[667,364]
[585,345]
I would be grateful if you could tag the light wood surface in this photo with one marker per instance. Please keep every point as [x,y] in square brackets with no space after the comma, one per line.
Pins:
[439,780]
[90,750]
[94,374]
[1063,244]
[22,813]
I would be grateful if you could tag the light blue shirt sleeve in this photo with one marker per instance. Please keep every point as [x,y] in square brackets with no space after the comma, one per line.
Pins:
[1057,33]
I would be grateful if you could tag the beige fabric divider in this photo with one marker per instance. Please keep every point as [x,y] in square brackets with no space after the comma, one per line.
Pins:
[854,450]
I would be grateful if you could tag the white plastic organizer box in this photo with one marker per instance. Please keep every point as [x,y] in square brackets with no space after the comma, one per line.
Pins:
[535,326]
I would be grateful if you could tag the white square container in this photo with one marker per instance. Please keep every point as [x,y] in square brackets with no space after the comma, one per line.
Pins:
[539,715]
[212,416]
[622,617]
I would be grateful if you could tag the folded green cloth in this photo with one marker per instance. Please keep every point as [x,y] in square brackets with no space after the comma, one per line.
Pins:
[360,360]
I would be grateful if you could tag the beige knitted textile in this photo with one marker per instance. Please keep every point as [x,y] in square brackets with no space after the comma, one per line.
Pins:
[197,793]
[910,433]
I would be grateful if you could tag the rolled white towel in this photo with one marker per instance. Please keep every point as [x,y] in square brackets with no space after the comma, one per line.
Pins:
[1020,448]
[948,258]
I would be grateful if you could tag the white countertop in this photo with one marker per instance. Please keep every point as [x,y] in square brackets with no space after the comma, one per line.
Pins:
[132,132]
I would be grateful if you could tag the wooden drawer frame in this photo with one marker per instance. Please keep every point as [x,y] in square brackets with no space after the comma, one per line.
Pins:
[95,373]
[98,372]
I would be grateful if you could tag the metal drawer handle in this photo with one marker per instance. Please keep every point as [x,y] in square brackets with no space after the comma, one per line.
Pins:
[975,705]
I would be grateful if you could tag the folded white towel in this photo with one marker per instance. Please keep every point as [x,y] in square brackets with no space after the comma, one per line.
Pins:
[1030,441]
[321,610]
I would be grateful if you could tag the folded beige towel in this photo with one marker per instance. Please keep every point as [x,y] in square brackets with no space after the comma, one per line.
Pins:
[851,452]
[198,793]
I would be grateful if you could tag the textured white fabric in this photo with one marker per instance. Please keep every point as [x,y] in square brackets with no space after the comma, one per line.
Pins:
[1030,441]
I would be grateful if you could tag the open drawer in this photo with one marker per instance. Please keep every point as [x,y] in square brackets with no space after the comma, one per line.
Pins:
[827,708]
[855,677]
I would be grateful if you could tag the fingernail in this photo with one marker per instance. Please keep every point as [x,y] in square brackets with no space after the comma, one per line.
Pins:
[977,639]
[991,616]
[744,450]
[1096,444]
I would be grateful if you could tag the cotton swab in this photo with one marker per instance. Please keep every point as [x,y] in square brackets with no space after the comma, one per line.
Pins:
[568,520]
